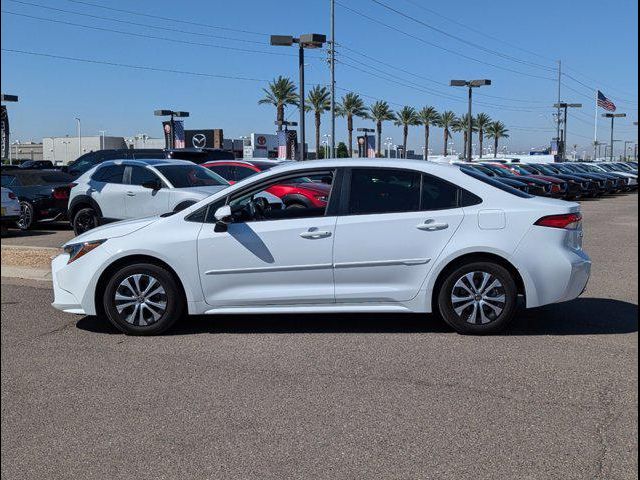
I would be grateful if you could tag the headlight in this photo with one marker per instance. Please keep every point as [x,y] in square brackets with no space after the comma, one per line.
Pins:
[77,250]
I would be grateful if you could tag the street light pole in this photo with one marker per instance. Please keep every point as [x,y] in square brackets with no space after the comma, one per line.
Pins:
[613,116]
[312,40]
[471,85]
[565,131]
[79,137]
[171,114]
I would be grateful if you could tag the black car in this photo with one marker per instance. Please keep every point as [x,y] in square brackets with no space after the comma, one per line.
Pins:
[43,194]
[538,187]
[517,184]
[37,165]
[577,186]
[196,155]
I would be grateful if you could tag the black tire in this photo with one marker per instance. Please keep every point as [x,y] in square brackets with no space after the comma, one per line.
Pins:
[127,319]
[26,216]
[469,320]
[84,220]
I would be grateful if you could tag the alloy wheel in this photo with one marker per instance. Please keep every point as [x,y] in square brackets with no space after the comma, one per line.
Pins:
[478,298]
[140,300]
[26,216]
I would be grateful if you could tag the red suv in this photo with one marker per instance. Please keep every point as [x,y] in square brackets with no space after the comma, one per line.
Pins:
[302,192]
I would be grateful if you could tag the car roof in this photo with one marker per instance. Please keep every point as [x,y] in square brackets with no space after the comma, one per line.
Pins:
[365,162]
[151,162]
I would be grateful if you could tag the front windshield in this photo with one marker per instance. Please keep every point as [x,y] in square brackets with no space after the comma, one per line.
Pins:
[185,176]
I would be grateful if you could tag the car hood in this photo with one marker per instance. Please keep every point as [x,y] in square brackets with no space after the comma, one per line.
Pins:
[204,192]
[114,230]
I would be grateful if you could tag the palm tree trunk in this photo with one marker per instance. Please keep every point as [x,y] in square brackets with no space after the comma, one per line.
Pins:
[280,116]
[379,139]
[446,142]
[481,140]
[426,144]
[350,128]
[318,134]
[495,149]
[404,143]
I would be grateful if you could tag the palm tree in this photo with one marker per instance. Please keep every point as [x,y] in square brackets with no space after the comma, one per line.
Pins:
[380,112]
[446,121]
[351,106]
[497,130]
[319,101]
[280,93]
[482,122]
[427,116]
[406,118]
[462,125]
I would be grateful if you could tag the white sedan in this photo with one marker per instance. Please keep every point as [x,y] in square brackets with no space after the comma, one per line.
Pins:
[395,236]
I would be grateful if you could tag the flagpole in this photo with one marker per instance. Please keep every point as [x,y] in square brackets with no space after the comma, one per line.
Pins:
[595,135]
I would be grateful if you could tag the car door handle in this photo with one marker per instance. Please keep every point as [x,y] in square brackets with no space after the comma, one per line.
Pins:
[131,194]
[315,235]
[431,226]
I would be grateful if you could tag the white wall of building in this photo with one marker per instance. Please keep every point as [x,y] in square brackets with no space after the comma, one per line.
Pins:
[62,150]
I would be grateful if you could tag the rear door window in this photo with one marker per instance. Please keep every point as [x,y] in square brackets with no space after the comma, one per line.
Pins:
[109,174]
[142,175]
[375,191]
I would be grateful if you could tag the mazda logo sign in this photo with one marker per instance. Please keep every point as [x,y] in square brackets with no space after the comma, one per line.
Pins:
[199,140]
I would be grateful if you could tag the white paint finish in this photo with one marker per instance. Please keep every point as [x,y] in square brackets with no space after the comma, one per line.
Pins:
[380,263]
[492,220]
[381,252]
[267,263]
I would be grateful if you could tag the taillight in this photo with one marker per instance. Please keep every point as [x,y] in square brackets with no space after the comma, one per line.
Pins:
[569,221]
[61,193]
[13,196]
[555,188]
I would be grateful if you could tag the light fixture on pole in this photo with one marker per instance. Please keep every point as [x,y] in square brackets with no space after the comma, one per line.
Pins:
[6,144]
[470,84]
[310,41]
[613,117]
[564,133]
[171,114]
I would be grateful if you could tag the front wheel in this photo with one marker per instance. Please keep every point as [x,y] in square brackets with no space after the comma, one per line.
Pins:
[143,299]
[478,298]
[84,220]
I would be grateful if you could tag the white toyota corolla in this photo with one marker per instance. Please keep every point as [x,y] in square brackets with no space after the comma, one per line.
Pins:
[394,236]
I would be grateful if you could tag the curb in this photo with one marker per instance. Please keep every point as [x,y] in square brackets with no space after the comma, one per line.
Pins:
[31,263]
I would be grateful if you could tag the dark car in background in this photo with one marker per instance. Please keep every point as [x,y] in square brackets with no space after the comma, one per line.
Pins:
[512,182]
[536,186]
[576,187]
[196,155]
[43,194]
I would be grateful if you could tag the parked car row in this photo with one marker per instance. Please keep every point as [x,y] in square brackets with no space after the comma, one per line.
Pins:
[568,181]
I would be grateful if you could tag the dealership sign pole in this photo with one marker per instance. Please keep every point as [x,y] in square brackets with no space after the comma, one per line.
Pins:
[4,125]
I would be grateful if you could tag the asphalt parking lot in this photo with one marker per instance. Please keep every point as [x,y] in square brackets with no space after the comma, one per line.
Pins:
[349,396]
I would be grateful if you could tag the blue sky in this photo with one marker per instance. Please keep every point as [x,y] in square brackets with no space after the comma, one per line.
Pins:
[516,44]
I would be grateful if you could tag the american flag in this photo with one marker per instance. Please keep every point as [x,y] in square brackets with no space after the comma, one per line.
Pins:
[178,134]
[605,103]
[282,144]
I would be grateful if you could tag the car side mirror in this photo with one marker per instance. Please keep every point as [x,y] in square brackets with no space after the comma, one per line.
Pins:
[224,218]
[153,184]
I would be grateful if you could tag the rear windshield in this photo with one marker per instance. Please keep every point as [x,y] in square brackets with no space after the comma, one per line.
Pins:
[185,176]
[495,183]
[44,178]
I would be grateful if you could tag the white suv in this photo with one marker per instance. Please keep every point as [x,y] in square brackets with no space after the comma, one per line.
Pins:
[123,189]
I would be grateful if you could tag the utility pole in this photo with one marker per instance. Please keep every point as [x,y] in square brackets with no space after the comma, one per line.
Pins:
[333,78]
[613,116]
[79,137]
[559,102]
[566,106]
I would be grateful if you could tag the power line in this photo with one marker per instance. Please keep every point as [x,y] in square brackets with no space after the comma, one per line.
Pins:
[136,67]
[479,32]
[169,19]
[431,44]
[422,77]
[459,39]
[126,22]
[152,37]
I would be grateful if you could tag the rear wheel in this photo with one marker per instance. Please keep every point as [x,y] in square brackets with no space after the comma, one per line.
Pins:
[143,299]
[478,298]
[295,205]
[26,216]
[84,220]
